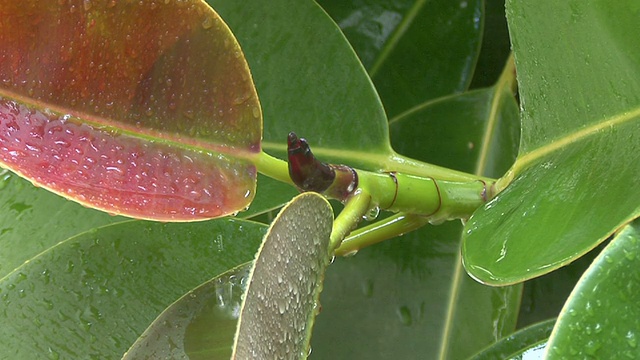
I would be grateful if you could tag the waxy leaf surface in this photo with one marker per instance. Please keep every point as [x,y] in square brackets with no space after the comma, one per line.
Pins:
[93,295]
[601,318]
[577,177]
[199,325]
[311,82]
[413,50]
[281,302]
[137,108]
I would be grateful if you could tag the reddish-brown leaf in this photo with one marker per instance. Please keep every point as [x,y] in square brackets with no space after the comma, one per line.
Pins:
[140,108]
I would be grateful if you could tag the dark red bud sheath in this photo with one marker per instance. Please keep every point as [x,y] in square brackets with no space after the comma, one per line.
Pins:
[305,170]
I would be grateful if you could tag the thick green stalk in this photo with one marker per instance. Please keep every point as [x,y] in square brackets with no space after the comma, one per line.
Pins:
[438,200]
[385,229]
[354,209]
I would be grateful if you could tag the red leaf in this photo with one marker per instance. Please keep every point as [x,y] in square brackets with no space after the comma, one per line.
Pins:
[145,109]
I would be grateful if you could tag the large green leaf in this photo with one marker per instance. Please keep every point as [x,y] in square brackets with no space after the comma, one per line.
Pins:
[93,294]
[577,177]
[310,81]
[409,297]
[307,75]
[414,50]
[281,302]
[141,108]
[199,325]
[33,220]
[602,316]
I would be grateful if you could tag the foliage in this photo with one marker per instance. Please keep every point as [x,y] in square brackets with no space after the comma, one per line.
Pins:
[379,85]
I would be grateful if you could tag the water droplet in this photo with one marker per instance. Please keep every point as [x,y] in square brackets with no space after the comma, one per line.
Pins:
[351,253]
[372,214]
[405,315]
[631,339]
[367,288]
[207,23]
[87,5]
[5,176]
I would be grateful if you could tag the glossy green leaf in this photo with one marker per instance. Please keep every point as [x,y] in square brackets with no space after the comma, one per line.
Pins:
[602,316]
[410,297]
[287,54]
[33,220]
[143,109]
[281,302]
[93,294]
[496,46]
[199,325]
[545,296]
[579,153]
[527,343]
[311,82]
[414,50]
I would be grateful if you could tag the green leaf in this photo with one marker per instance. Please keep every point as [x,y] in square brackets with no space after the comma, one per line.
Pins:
[199,325]
[141,109]
[281,302]
[580,96]
[307,75]
[311,82]
[414,50]
[93,294]
[527,343]
[410,296]
[33,220]
[601,317]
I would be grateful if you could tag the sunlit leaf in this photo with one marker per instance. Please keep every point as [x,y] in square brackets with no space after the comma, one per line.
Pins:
[200,325]
[602,316]
[93,295]
[145,109]
[577,177]
[281,302]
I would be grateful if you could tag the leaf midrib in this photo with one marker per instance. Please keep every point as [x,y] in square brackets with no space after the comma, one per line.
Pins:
[527,159]
[132,131]
[397,35]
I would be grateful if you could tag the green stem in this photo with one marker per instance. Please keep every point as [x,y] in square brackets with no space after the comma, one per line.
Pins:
[355,208]
[273,167]
[439,200]
[395,225]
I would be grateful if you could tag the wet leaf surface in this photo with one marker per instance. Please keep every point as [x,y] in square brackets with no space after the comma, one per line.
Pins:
[579,148]
[199,325]
[281,302]
[141,109]
[414,50]
[600,318]
[93,294]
